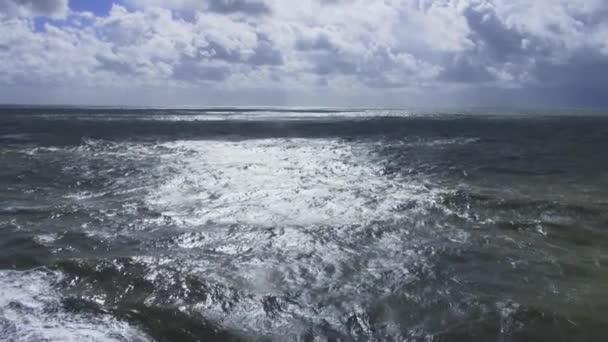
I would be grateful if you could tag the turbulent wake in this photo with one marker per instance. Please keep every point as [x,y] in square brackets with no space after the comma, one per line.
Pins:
[137,225]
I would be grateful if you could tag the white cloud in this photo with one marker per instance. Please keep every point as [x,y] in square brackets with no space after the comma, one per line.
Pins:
[55,56]
[309,45]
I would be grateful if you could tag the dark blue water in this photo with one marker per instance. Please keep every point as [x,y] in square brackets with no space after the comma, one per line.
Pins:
[243,224]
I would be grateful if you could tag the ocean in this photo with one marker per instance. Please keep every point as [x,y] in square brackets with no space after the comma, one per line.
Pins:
[231,224]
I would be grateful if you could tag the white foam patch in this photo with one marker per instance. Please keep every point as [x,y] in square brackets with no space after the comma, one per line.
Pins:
[283,195]
[31,310]
[46,239]
[279,181]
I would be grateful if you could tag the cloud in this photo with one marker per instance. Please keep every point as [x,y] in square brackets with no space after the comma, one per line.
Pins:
[192,70]
[246,7]
[265,53]
[30,8]
[331,46]
[490,33]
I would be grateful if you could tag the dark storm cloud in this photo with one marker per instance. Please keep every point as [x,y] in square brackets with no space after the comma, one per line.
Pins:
[334,2]
[586,68]
[492,35]
[325,55]
[213,50]
[328,63]
[43,6]
[532,61]
[320,42]
[495,44]
[33,7]
[596,17]
[115,65]
[465,69]
[265,53]
[249,7]
[192,70]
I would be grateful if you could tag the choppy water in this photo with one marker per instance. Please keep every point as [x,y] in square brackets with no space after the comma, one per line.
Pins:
[225,224]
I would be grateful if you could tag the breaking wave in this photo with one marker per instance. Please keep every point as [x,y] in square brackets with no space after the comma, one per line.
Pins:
[32,309]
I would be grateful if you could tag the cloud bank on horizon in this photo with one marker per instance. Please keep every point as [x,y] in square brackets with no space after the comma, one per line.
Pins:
[308,52]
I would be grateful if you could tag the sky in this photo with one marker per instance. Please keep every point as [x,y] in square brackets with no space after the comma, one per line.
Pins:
[342,53]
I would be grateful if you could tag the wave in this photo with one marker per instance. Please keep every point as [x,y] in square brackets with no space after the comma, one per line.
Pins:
[15,138]
[27,210]
[32,309]
[277,182]
[207,300]
[357,228]
[508,202]
[258,125]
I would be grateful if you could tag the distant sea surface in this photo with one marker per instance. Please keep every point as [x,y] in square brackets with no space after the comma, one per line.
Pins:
[295,224]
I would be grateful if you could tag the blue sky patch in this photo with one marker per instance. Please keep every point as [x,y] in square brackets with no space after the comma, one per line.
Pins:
[99,7]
